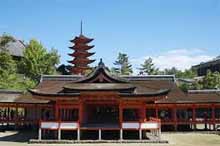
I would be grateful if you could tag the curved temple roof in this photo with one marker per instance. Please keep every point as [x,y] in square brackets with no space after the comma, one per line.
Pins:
[152,88]
[99,86]
[101,75]
[100,80]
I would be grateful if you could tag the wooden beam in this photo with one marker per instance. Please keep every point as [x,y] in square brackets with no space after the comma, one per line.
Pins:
[120,114]
[57,117]
[213,113]
[156,110]
[80,112]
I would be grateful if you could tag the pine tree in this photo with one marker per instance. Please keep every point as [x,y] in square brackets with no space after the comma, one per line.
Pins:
[123,65]
[148,67]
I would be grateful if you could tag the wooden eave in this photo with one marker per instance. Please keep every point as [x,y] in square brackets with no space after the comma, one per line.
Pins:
[81,54]
[99,87]
[81,47]
[163,92]
[81,39]
[81,61]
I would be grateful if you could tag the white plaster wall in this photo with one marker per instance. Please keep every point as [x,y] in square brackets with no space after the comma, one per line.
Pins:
[71,125]
[49,125]
[130,125]
[149,125]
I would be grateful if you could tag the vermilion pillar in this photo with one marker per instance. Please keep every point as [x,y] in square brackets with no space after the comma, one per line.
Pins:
[120,113]
[57,111]
[194,116]
[121,119]
[213,116]
[143,113]
[174,117]
[156,110]
[80,111]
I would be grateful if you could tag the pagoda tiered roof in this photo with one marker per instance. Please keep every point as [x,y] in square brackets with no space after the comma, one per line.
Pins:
[81,47]
[81,62]
[80,57]
[81,53]
[81,40]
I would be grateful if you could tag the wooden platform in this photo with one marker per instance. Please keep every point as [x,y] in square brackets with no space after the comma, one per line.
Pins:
[94,141]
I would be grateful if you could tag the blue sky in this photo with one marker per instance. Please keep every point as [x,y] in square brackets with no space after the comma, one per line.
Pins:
[173,32]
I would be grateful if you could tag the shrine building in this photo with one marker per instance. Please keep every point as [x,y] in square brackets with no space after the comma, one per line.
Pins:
[100,104]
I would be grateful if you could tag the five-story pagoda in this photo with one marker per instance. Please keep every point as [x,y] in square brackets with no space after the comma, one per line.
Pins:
[80,62]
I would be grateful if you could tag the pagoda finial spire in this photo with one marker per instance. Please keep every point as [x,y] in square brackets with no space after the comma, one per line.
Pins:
[81,28]
[80,57]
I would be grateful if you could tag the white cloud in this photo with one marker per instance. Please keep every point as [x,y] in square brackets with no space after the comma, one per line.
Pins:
[179,58]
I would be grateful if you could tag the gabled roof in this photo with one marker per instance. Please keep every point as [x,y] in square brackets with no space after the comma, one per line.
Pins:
[56,83]
[101,74]
[15,48]
[102,80]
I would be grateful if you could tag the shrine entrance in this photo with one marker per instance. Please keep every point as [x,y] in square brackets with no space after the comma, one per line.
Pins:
[101,116]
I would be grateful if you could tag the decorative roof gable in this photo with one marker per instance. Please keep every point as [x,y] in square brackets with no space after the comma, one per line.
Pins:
[101,74]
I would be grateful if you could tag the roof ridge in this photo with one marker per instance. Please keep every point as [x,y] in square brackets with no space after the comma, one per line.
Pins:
[205,91]
[150,77]
[147,75]
[10,91]
[61,75]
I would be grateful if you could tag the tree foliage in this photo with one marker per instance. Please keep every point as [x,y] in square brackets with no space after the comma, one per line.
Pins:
[123,65]
[9,79]
[187,73]
[4,40]
[38,61]
[211,80]
[148,67]
[7,70]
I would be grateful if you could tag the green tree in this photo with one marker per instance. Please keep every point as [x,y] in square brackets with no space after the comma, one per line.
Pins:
[187,73]
[9,77]
[211,80]
[123,65]
[7,70]
[38,61]
[197,85]
[172,71]
[4,40]
[148,67]
[184,87]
